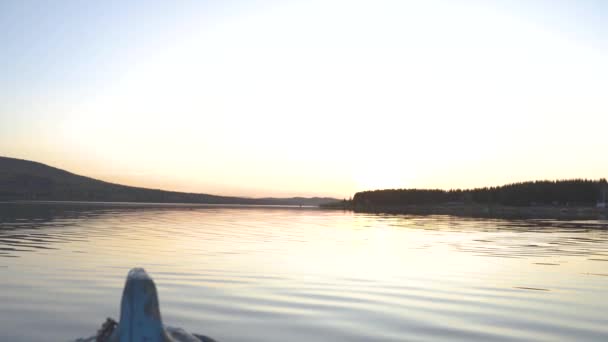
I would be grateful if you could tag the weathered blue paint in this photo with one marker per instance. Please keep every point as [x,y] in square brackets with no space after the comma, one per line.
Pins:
[140,318]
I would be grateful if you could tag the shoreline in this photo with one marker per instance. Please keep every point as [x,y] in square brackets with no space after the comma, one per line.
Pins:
[487,211]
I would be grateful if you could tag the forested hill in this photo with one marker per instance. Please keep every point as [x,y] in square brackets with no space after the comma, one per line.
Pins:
[563,192]
[28,180]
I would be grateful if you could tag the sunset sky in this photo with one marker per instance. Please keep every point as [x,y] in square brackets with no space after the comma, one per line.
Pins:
[283,98]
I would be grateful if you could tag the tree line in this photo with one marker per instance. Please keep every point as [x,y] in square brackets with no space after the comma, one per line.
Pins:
[582,192]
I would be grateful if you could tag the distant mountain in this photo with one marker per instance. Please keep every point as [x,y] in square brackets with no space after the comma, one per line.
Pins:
[28,180]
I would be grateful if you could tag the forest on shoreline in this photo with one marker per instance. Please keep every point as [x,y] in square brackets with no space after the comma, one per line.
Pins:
[572,192]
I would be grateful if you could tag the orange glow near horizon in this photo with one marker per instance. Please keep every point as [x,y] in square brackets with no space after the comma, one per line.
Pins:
[258,101]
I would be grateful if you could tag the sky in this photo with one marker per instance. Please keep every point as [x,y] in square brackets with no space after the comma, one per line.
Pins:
[286,98]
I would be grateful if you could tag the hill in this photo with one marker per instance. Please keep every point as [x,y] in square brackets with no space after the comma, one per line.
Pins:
[29,180]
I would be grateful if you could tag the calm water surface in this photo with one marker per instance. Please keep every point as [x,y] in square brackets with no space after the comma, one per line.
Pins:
[291,274]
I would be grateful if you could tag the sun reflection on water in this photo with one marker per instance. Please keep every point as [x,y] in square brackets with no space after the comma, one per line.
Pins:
[288,273]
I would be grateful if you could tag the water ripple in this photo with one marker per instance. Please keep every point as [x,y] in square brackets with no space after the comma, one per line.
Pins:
[276,274]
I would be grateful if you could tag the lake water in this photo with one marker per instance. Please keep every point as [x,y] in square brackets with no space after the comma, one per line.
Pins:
[303,274]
